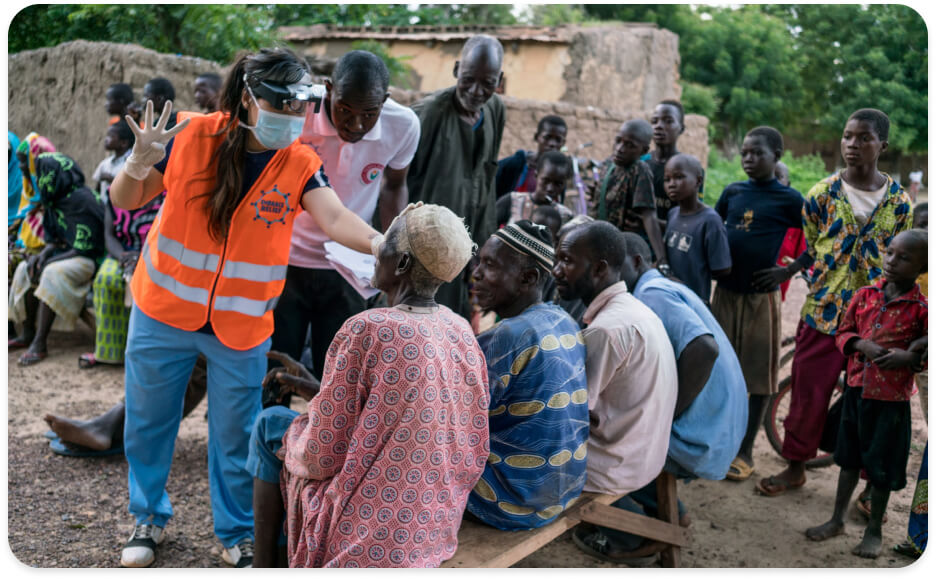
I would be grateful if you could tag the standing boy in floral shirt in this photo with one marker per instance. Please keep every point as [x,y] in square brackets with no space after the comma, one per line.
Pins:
[848,219]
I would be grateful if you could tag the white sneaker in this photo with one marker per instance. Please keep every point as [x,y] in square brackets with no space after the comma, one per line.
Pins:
[140,549]
[239,555]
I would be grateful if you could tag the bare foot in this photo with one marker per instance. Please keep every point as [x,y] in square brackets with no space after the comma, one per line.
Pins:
[84,433]
[830,529]
[870,546]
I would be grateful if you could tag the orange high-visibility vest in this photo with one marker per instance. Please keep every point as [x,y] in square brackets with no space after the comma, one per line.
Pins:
[185,278]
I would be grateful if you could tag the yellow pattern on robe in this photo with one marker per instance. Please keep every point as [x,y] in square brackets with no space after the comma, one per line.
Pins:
[484,490]
[525,461]
[549,343]
[526,408]
[515,509]
[523,359]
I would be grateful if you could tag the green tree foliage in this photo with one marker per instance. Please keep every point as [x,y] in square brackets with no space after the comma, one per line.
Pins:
[748,58]
[556,14]
[802,68]
[212,31]
[859,56]
[218,31]
[675,17]
[344,14]
[393,14]
[699,100]
[805,172]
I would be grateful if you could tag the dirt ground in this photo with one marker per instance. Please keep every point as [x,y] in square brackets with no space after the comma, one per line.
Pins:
[70,512]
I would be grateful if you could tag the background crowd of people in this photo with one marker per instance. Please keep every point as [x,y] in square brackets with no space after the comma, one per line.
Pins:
[520,351]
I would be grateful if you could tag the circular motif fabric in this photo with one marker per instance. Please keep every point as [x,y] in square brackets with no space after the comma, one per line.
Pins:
[392,445]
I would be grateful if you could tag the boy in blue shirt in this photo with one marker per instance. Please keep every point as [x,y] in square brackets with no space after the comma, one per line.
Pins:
[695,238]
[757,213]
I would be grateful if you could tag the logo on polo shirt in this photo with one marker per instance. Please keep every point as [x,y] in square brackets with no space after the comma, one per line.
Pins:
[371,173]
[272,207]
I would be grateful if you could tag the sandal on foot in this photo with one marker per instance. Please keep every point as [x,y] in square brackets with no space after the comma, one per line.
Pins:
[772,487]
[16,344]
[30,358]
[739,470]
[87,360]
[597,545]
[59,447]
[908,549]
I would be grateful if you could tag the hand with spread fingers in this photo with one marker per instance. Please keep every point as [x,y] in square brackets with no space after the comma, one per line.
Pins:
[292,377]
[149,147]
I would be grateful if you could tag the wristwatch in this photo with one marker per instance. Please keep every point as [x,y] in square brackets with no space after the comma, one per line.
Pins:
[665,269]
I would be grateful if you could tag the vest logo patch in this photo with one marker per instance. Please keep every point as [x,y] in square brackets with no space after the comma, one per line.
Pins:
[272,207]
[371,173]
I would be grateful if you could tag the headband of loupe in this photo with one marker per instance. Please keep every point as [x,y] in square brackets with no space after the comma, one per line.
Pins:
[281,96]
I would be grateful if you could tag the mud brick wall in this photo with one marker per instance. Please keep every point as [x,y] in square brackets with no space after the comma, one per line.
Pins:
[59,93]
[586,125]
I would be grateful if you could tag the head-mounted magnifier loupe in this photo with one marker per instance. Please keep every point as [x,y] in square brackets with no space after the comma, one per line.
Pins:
[291,97]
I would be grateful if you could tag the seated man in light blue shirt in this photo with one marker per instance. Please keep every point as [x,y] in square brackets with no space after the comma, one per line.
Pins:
[711,407]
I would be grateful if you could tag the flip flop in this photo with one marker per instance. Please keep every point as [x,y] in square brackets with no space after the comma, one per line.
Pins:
[779,486]
[908,549]
[742,471]
[16,344]
[87,360]
[60,448]
[30,358]
[50,434]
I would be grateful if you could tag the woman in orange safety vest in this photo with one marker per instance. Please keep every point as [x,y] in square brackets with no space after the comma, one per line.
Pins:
[211,270]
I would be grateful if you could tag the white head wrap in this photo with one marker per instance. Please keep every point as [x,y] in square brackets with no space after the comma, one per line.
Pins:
[437,238]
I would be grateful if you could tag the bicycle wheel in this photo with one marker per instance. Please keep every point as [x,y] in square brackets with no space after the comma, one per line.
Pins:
[777,410]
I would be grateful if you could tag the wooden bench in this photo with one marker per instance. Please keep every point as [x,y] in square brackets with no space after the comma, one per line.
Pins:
[481,546]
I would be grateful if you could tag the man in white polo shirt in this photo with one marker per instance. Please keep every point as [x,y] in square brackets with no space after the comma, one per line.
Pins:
[366,141]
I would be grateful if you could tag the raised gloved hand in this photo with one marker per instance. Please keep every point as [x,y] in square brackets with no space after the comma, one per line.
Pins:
[150,145]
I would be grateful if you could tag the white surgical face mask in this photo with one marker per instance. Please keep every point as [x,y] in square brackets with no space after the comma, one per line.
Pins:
[275,130]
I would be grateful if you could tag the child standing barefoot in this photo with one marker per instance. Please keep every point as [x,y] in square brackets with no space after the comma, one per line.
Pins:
[876,335]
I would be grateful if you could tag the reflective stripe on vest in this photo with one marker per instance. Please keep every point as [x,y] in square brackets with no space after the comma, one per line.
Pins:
[187,257]
[188,277]
[170,284]
[245,306]
[254,272]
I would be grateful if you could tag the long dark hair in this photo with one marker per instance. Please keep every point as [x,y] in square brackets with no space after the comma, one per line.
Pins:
[274,65]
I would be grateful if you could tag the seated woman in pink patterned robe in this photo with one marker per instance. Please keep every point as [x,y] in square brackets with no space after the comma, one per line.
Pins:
[378,471]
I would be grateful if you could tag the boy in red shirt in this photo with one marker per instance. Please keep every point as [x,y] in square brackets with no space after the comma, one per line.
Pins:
[881,333]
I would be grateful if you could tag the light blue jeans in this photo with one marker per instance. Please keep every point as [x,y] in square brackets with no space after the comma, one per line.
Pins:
[266,440]
[158,363]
